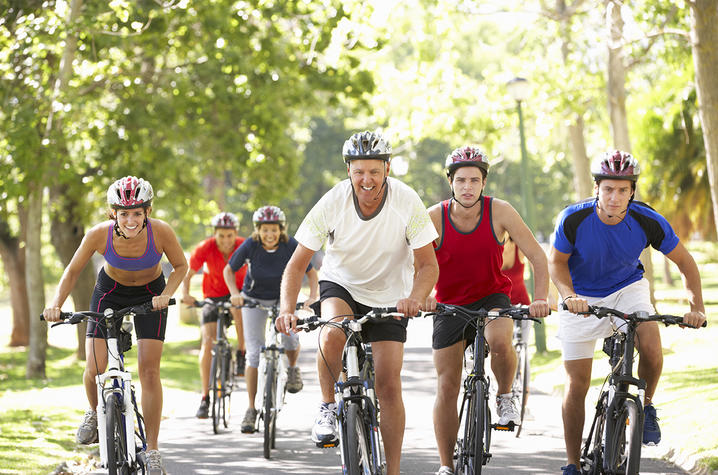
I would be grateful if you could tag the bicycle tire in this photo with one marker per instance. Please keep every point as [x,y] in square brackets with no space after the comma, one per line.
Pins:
[270,389]
[521,381]
[483,426]
[593,453]
[358,444]
[216,387]
[624,436]
[465,455]
[117,460]
[227,383]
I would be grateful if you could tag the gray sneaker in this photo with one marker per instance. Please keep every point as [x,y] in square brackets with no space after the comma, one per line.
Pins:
[507,409]
[294,380]
[249,421]
[154,463]
[87,432]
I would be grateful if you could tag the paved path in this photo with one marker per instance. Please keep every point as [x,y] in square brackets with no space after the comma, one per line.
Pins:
[189,446]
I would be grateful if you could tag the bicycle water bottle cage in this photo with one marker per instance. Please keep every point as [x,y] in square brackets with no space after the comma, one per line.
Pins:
[124,341]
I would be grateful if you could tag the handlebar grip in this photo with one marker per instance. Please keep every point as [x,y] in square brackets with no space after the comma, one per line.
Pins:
[384,309]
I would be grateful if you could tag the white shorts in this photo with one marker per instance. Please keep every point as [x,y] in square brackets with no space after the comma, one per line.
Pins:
[578,334]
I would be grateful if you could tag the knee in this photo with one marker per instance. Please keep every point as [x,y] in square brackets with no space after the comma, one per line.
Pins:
[501,346]
[332,342]
[447,388]
[149,374]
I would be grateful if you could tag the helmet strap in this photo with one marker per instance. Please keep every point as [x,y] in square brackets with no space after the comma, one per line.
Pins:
[119,232]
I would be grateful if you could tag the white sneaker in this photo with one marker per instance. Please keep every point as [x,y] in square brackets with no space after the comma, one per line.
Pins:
[444,470]
[324,432]
[154,463]
[87,432]
[507,409]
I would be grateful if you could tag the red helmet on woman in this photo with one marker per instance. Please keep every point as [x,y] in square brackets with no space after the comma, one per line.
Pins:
[616,165]
[130,192]
[466,156]
[225,221]
[269,215]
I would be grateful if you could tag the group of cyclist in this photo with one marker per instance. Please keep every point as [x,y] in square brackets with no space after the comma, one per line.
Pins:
[383,249]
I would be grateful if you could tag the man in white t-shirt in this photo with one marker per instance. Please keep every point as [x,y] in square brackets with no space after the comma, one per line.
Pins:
[379,253]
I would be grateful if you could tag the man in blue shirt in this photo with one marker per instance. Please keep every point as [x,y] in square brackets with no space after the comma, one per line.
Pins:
[594,260]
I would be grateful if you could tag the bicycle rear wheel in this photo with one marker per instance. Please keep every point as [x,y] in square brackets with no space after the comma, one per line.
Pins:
[358,445]
[624,435]
[521,381]
[270,415]
[216,385]
[117,459]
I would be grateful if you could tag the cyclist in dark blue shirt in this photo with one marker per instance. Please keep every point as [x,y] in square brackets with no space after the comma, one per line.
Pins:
[594,260]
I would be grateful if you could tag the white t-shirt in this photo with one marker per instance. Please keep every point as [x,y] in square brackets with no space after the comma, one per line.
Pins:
[370,257]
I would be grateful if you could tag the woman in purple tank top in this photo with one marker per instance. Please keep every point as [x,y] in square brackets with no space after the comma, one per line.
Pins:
[132,244]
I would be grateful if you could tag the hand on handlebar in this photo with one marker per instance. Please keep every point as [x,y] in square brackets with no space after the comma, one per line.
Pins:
[160,301]
[286,323]
[575,304]
[430,304]
[237,300]
[51,314]
[189,300]
[695,319]
[539,309]
[408,306]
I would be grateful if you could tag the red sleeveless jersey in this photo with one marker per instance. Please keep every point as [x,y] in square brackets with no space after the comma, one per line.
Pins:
[469,263]
[519,294]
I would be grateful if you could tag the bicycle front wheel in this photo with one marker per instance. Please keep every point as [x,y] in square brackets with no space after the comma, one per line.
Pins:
[270,414]
[624,435]
[216,385]
[592,454]
[227,375]
[521,381]
[358,444]
[117,459]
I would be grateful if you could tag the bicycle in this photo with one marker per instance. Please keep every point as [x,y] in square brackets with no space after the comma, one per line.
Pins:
[613,445]
[522,378]
[472,449]
[357,406]
[119,421]
[272,375]
[221,370]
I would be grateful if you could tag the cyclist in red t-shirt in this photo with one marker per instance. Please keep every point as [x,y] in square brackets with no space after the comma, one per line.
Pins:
[212,254]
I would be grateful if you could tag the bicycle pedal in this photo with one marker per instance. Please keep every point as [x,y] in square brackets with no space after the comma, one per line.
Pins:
[327,445]
[504,427]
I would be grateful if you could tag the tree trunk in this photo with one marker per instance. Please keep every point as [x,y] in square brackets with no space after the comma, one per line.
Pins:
[617,106]
[66,235]
[581,168]
[13,258]
[35,285]
[704,37]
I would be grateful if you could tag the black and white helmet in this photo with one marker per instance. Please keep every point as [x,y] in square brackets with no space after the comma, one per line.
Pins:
[366,145]
[225,221]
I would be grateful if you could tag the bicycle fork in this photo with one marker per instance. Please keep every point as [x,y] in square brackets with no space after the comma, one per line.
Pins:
[121,384]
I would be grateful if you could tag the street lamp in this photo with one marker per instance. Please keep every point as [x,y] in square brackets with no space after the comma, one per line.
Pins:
[519,89]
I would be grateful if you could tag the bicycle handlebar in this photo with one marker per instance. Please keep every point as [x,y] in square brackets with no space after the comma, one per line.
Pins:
[518,312]
[635,317]
[254,304]
[216,304]
[72,318]
[376,313]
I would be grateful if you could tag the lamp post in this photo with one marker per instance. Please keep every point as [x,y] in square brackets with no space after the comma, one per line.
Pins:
[519,88]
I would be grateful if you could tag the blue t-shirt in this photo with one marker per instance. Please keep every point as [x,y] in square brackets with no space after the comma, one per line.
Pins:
[605,258]
[264,268]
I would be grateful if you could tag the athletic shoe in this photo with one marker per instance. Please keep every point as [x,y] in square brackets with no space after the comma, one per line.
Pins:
[324,432]
[294,380]
[203,411]
[651,431]
[153,464]
[571,469]
[507,409]
[87,432]
[444,470]
[241,362]
[249,421]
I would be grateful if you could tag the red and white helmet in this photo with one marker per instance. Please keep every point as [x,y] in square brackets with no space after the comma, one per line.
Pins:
[225,221]
[466,156]
[130,192]
[269,215]
[616,165]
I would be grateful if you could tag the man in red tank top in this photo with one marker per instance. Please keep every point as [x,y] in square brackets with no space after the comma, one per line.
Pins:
[469,249]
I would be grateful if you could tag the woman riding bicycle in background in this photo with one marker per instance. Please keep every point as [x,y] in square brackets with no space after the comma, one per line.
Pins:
[266,254]
[132,244]
[212,254]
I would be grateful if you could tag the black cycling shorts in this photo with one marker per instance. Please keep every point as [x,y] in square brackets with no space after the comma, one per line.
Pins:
[210,313]
[450,329]
[110,294]
[388,329]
